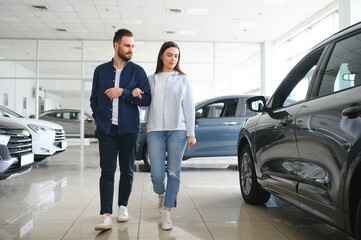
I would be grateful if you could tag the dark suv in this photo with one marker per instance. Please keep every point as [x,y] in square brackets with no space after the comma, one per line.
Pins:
[16,154]
[304,146]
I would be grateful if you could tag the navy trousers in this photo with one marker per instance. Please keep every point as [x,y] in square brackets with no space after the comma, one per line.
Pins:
[116,148]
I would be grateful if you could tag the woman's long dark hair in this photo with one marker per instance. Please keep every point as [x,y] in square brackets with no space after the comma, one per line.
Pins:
[164,47]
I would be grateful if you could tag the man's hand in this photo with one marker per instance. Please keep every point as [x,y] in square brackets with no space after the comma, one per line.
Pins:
[113,92]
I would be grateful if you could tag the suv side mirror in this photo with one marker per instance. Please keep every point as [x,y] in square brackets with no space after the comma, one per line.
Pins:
[198,115]
[256,104]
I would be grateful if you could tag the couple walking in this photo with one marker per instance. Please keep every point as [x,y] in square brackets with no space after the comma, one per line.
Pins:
[119,88]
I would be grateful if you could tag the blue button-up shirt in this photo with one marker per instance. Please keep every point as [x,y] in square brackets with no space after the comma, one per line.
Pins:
[132,76]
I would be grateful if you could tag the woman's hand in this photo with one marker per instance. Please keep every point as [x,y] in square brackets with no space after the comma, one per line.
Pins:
[191,142]
[137,92]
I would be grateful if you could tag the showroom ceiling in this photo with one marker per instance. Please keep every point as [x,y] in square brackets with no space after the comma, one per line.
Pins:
[226,21]
[158,20]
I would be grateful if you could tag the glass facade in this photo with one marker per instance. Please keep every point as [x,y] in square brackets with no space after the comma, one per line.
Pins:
[61,68]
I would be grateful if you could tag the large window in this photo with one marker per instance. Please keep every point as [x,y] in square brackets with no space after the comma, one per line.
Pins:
[291,50]
[62,68]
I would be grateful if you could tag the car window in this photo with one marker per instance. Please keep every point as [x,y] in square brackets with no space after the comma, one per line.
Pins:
[66,115]
[212,110]
[70,115]
[343,68]
[54,115]
[295,87]
[229,108]
[224,108]
[299,92]
[7,111]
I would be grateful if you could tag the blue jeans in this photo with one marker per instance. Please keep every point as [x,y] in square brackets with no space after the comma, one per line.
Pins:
[113,149]
[172,143]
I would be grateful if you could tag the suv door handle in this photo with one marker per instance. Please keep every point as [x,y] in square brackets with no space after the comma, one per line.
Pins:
[352,112]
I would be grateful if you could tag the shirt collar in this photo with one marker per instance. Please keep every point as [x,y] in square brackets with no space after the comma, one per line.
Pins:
[112,62]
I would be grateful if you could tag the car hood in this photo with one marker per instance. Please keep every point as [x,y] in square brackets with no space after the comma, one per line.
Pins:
[26,121]
[6,123]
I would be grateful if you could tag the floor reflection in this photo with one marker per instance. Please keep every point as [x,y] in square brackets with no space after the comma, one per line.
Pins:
[59,199]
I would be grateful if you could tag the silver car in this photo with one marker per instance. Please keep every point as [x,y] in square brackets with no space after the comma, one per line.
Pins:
[16,156]
[47,138]
[70,120]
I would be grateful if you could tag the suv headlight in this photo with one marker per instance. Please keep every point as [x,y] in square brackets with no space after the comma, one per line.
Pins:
[41,129]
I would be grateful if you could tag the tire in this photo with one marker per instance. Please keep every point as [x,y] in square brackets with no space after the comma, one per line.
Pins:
[145,157]
[252,193]
[358,222]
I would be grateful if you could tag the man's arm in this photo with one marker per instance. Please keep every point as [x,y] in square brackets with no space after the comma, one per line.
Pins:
[142,88]
[94,93]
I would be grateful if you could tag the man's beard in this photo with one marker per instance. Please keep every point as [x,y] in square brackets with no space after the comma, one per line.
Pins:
[123,56]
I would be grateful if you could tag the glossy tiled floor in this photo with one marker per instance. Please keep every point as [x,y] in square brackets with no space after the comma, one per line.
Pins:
[59,199]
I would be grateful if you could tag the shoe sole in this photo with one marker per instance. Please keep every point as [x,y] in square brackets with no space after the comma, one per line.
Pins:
[167,228]
[120,219]
[102,228]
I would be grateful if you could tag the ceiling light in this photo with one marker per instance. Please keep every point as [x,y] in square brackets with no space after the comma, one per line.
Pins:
[40,7]
[61,30]
[170,32]
[174,10]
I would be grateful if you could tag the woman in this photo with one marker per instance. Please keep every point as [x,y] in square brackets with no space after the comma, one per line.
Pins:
[170,127]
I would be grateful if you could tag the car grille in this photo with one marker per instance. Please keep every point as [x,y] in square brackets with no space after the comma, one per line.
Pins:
[59,136]
[18,143]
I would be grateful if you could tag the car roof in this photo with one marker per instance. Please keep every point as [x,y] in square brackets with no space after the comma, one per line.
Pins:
[62,110]
[223,97]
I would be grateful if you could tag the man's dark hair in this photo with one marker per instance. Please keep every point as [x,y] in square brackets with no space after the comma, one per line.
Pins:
[121,33]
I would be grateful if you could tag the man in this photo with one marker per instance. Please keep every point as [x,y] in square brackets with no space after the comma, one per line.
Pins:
[119,87]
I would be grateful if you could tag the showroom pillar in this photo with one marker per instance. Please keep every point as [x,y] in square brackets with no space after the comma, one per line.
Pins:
[266,68]
[349,11]
[82,105]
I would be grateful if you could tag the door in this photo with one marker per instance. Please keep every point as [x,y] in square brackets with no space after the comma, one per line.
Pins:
[216,129]
[276,150]
[328,131]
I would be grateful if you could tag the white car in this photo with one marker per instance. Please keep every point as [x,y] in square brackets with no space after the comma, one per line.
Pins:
[47,138]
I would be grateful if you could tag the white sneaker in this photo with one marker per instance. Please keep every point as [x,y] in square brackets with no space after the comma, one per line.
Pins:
[165,222]
[105,224]
[160,204]
[122,214]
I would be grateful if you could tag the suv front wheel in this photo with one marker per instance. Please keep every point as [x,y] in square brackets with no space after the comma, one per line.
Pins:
[252,193]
